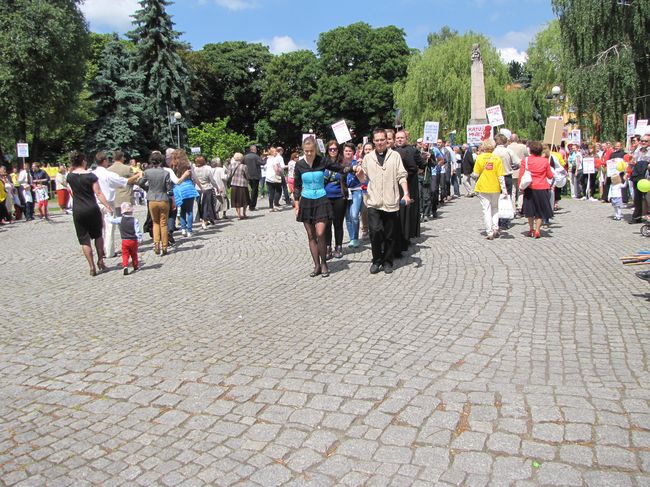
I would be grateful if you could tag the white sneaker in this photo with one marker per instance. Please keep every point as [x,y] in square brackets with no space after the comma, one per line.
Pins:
[584,198]
[184,233]
[189,234]
[204,226]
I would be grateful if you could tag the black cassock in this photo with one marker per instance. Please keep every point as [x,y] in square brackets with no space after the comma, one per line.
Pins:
[409,216]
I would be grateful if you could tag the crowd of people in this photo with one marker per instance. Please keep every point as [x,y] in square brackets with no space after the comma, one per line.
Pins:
[380,190]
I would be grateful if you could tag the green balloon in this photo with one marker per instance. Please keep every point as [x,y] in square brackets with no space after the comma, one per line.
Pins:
[643,185]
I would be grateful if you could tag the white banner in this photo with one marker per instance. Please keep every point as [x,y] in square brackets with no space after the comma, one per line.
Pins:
[576,136]
[431,130]
[478,133]
[588,165]
[631,122]
[321,145]
[22,150]
[641,127]
[341,132]
[495,116]
[195,150]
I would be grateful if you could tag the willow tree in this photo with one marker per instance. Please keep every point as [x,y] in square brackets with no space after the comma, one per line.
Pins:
[606,46]
[438,87]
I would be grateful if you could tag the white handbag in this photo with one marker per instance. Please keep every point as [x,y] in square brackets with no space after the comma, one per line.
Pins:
[506,211]
[527,179]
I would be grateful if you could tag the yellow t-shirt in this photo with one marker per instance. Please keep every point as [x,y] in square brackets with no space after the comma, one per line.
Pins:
[488,167]
[3,192]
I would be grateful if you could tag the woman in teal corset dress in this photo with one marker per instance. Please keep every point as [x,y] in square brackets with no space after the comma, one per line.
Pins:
[312,207]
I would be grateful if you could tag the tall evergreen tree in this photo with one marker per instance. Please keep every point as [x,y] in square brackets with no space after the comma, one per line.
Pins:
[119,105]
[165,80]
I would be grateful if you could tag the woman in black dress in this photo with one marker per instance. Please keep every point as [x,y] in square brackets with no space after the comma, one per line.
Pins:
[311,204]
[86,215]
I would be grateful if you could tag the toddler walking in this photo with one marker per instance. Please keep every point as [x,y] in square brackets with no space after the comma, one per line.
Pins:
[131,234]
[619,182]
[42,197]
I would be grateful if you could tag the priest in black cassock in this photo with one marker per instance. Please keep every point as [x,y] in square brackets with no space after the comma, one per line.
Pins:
[409,216]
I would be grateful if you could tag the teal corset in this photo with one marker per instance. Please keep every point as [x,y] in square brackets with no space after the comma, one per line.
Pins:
[313,185]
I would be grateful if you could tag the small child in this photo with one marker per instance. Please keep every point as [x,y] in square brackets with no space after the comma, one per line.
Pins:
[42,199]
[131,234]
[619,182]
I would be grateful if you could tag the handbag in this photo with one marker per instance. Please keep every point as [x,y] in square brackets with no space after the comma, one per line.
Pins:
[527,179]
[231,175]
[506,212]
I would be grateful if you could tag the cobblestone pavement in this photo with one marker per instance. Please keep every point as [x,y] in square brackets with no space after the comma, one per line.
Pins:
[512,362]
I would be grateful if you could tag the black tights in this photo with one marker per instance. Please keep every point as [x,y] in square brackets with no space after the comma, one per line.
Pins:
[339,207]
[317,247]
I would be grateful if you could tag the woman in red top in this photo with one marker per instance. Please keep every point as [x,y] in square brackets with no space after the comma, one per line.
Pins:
[537,205]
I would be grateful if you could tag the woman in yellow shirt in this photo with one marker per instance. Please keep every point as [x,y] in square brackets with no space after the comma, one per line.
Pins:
[490,185]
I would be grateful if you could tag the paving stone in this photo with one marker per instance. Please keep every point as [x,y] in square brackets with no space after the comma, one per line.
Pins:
[243,390]
[558,474]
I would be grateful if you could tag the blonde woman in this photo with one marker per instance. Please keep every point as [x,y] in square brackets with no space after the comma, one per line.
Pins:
[490,173]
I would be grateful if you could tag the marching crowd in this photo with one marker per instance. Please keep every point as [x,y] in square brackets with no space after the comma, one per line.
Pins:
[380,190]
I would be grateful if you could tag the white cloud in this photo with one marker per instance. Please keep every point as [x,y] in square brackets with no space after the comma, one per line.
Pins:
[114,14]
[236,5]
[512,54]
[517,39]
[282,44]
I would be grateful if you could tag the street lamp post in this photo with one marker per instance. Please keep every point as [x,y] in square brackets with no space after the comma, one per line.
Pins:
[177,118]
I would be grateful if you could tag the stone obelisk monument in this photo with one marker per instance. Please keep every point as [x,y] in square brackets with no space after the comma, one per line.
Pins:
[479,115]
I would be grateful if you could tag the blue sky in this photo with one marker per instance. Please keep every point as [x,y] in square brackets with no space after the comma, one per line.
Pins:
[286,25]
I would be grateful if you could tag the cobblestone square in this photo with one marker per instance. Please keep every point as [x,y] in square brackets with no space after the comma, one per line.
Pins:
[511,362]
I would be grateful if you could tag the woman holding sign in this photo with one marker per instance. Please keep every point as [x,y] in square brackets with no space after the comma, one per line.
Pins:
[311,204]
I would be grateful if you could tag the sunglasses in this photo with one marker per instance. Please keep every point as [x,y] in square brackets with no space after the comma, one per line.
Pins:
[332,149]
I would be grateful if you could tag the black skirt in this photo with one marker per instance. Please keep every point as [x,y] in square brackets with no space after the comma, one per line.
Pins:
[208,205]
[537,204]
[313,211]
[88,223]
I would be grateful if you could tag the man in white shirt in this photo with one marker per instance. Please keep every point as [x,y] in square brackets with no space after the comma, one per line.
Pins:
[108,182]
[510,161]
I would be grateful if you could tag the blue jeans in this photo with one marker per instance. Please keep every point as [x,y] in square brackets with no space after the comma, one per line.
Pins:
[187,213]
[352,217]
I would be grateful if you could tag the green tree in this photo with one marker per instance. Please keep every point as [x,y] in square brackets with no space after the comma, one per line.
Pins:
[217,140]
[119,106]
[227,82]
[43,48]
[359,65]
[442,35]
[290,81]
[545,61]
[438,88]
[605,46]
[165,80]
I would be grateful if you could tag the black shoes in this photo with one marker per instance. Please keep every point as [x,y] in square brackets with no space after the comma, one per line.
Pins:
[388,268]
[126,271]
[375,268]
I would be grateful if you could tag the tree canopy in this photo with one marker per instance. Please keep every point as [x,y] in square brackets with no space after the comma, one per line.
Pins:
[438,87]
[118,104]
[605,45]
[227,82]
[43,48]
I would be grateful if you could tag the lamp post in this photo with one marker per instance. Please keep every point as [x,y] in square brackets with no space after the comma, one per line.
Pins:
[177,118]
